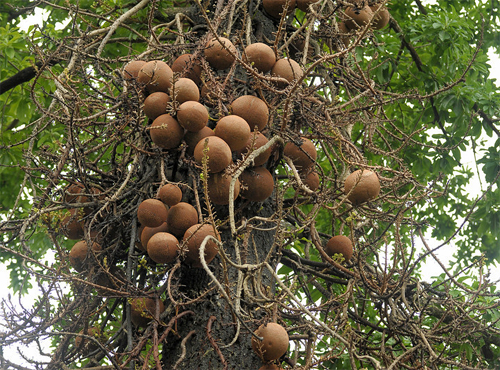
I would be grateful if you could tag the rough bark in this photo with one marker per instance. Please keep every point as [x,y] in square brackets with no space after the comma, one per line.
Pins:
[213,321]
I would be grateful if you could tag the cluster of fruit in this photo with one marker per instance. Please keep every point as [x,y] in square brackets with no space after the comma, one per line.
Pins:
[355,16]
[71,223]
[74,222]
[359,187]
[170,227]
[164,221]
[351,19]
[238,133]
[172,105]
[376,15]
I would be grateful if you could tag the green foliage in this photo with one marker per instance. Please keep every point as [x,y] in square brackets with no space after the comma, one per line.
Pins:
[447,43]
[491,163]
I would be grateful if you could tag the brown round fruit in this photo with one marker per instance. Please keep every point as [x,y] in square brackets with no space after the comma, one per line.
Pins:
[166,132]
[255,141]
[218,153]
[148,232]
[72,194]
[80,255]
[156,75]
[181,217]
[156,104]
[192,115]
[85,344]
[258,184]
[170,194]
[193,138]
[274,342]
[138,244]
[185,89]
[275,8]
[234,130]
[217,54]
[143,310]
[163,247]
[195,236]
[381,19]
[97,236]
[343,38]
[297,48]
[77,193]
[302,156]
[260,56]
[311,179]
[288,69]
[253,110]
[188,67]
[218,188]
[72,223]
[152,212]
[131,69]
[358,17]
[366,186]
[339,244]
[304,4]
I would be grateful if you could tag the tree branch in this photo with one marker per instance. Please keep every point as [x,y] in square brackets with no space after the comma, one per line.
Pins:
[24,75]
[420,66]
[14,14]
[489,121]
[421,7]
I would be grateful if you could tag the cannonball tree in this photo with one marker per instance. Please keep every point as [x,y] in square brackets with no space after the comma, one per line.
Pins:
[280,125]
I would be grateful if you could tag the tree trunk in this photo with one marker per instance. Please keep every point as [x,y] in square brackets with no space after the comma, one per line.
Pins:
[214,323]
[200,338]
